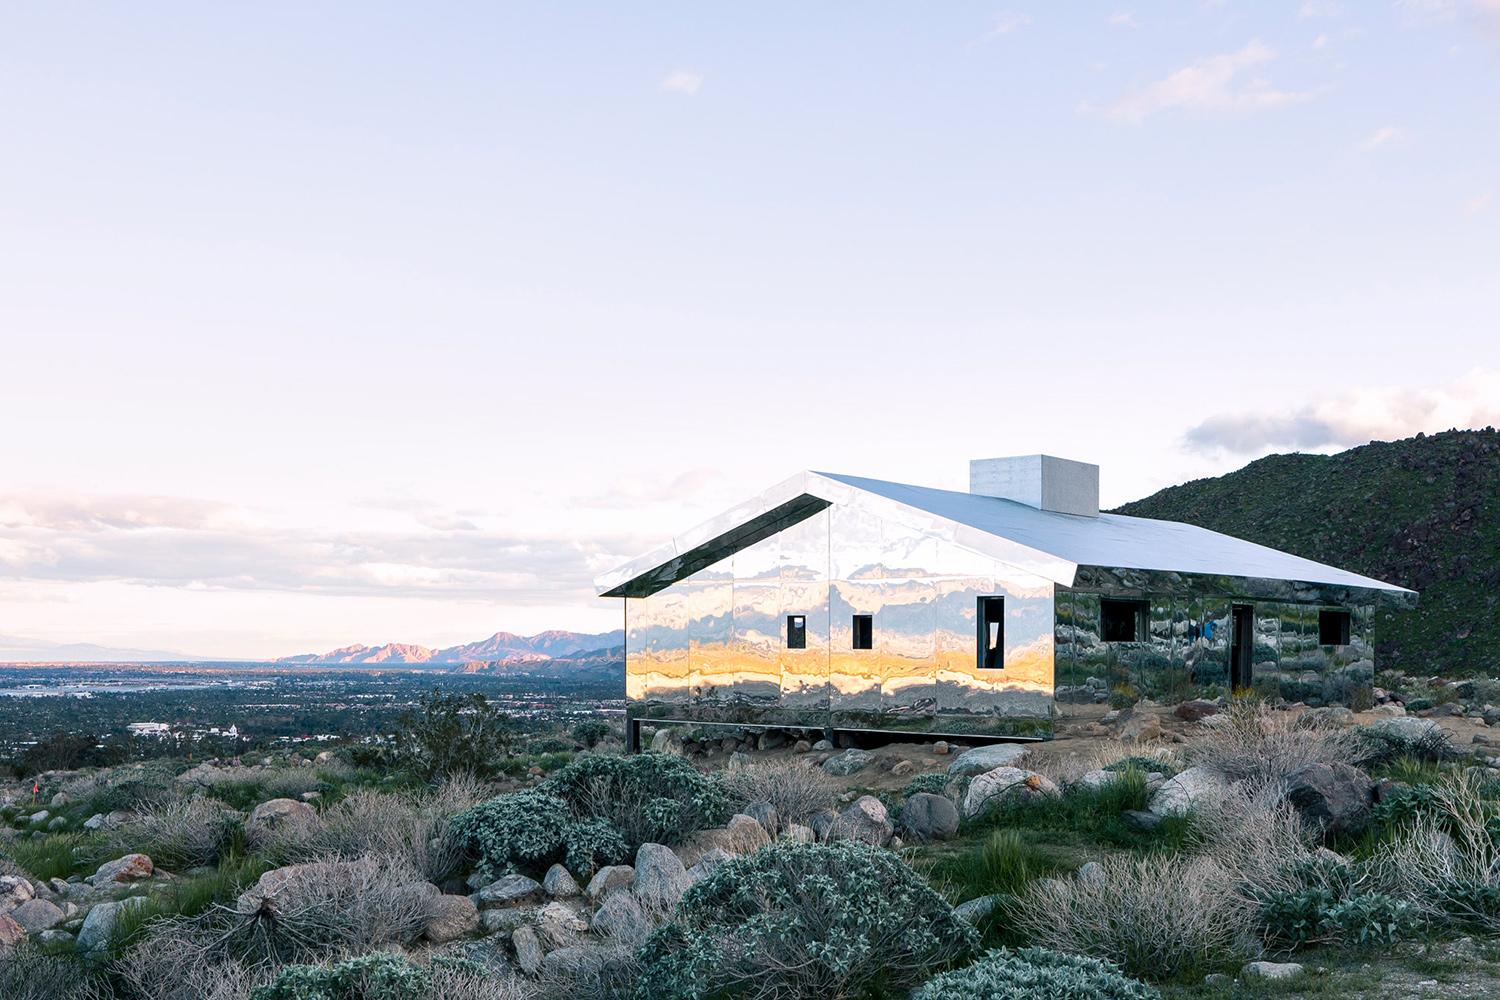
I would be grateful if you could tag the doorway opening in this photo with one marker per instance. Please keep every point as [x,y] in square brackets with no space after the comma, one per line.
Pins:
[1241,646]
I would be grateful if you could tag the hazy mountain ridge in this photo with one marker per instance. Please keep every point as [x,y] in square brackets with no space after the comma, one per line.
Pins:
[502,647]
[1422,512]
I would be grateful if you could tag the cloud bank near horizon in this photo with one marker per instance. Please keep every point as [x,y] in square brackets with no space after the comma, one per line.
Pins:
[1353,418]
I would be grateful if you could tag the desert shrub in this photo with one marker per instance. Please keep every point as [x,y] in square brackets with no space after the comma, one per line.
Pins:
[1469,905]
[122,788]
[590,732]
[1145,765]
[591,843]
[412,825]
[1035,974]
[791,786]
[314,912]
[1379,745]
[649,797]
[180,833]
[1371,920]
[608,974]
[173,968]
[1158,916]
[452,734]
[804,921]
[1259,744]
[935,783]
[28,973]
[245,793]
[1290,920]
[387,977]
[1404,803]
[524,829]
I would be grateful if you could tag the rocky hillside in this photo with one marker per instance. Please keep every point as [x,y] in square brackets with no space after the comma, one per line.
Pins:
[1422,512]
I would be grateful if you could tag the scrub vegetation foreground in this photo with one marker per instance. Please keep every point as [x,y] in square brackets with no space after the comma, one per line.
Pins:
[1238,850]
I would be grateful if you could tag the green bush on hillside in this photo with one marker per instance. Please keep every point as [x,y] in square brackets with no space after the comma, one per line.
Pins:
[1036,974]
[381,976]
[522,830]
[795,921]
[649,797]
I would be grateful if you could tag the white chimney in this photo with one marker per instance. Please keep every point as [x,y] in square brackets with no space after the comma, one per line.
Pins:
[1039,481]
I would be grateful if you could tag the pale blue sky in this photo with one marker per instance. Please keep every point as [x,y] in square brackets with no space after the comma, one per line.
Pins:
[372,322]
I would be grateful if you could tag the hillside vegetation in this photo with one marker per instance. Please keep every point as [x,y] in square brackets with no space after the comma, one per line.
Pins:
[1422,512]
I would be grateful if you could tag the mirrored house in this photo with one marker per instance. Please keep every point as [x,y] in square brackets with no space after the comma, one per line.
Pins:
[839,603]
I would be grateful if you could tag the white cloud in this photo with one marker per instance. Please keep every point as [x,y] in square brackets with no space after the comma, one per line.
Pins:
[1479,203]
[1210,85]
[1123,19]
[1387,136]
[1354,418]
[682,81]
[1007,22]
[1318,8]
[1320,41]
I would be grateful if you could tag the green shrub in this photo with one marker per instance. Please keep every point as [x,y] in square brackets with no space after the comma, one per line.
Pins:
[1371,920]
[1035,974]
[1292,919]
[520,830]
[1145,765]
[1007,863]
[56,855]
[1377,745]
[590,732]
[796,921]
[1405,803]
[935,783]
[649,797]
[373,977]
[182,833]
[1419,704]
[1471,905]
[452,734]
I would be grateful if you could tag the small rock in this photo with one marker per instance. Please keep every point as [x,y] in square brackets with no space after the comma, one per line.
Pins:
[130,868]
[925,816]
[822,823]
[277,814]
[11,934]
[37,915]
[660,877]
[14,890]
[559,883]
[1195,710]
[99,925]
[610,877]
[903,767]
[1271,970]
[94,822]
[1091,873]
[865,819]
[560,926]
[982,759]
[507,891]
[977,909]
[1182,793]
[849,762]
[1141,820]
[801,746]
[940,748]
[1002,782]
[569,963]
[450,918]
[801,834]
[528,947]
[621,918]
[665,741]
[765,814]
[823,745]
[506,920]
[1335,798]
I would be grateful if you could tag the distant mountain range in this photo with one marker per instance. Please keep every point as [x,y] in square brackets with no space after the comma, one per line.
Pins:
[16,649]
[502,647]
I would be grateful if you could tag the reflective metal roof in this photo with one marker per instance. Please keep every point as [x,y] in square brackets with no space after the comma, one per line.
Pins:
[1051,544]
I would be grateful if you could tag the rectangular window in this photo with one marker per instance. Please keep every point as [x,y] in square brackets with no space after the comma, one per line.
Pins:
[1333,628]
[1122,621]
[991,619]
[864,631]
[796,632]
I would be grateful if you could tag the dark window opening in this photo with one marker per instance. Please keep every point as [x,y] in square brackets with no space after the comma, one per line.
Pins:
[1333,628]
[1122,621]
[864,631]
[796,632]
[991,618]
